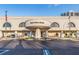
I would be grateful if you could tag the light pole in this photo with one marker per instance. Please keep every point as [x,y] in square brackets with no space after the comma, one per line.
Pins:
[69,23]
[6,19]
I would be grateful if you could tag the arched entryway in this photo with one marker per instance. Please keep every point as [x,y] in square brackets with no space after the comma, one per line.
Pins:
[38,28]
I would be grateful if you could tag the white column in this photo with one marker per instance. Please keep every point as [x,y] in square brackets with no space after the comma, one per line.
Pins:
[30,34]
[16,34]
[1,34]
[38,33]
[46,33]
[77,34]
[61,35]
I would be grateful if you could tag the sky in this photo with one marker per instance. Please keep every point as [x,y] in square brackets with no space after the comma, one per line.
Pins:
[37,9]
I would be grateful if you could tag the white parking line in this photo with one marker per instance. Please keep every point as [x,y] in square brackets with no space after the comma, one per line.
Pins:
[46,52]
[3,51]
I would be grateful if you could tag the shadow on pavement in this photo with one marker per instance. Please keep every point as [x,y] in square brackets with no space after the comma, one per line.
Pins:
[19,46]
[7,43]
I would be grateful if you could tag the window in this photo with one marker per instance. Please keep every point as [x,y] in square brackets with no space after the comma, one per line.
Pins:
[6,24]
[71,24]
[54,24]
[22,24]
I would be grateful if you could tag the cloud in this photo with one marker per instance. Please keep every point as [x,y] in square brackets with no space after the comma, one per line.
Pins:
[71,10]
[51,5]
[56,4]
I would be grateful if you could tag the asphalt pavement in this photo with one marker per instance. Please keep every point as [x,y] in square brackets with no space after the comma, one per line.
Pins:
[49,47]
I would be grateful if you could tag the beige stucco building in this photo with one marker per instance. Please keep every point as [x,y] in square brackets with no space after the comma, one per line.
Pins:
[40,26]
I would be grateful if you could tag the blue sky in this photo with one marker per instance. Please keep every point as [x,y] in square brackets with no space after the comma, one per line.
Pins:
[37,9]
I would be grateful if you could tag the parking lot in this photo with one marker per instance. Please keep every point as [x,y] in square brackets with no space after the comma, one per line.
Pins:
[37,47]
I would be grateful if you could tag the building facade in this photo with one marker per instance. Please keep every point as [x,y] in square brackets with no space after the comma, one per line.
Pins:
[40,26]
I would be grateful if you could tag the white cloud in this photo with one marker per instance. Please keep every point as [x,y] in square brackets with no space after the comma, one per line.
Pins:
[71,10]
[51,5]
[56,4]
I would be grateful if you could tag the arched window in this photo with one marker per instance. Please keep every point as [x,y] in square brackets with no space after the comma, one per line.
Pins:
[22,24]
[54,24]
[71,24]
[6,24]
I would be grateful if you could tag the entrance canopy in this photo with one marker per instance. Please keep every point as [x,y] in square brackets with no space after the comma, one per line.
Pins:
[37,23]
[38,26]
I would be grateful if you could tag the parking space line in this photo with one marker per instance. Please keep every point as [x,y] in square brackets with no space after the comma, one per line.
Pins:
[4,51]
[46,52]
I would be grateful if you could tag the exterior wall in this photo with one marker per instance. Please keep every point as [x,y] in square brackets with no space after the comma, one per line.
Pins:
[61,20]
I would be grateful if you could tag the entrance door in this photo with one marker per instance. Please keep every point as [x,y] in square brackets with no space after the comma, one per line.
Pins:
[43,34]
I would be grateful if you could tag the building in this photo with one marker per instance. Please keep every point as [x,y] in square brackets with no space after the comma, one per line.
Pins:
[40,26]
[70,14]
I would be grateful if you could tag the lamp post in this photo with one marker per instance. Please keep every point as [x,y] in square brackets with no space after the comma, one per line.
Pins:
[6,19]
[69,23]
[62,32]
